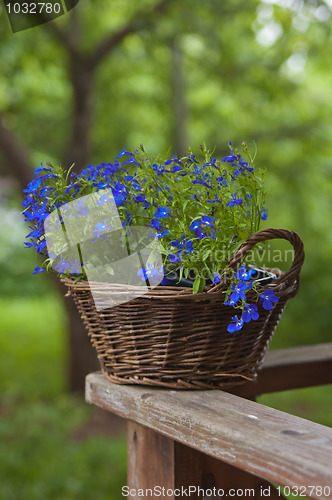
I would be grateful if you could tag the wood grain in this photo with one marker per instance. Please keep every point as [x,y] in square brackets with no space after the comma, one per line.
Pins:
[294,368]
[156,460]
[270,444]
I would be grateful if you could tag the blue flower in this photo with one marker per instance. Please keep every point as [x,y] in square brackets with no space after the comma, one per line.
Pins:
[189,246]
[68,267]
[250,312]
[131,161]
[207,221]
[160,233]
[159,169]
[211,163]
[215,200]
[183,244]
[100,227]
[124,152]
[32,186]
[175,258]
[244,165]
[236,326]
[238,292]
[105,198]
[173,160]
[268,298]
[176,168]
[151,273]
[195,224]
[264,215]
[231,158]
[140,198]
[39,270]
[216,278]
[243,274]
[200,234]
[234,201]
[162,212]
[80,208]
[200,181]
[155,224]
[41,246]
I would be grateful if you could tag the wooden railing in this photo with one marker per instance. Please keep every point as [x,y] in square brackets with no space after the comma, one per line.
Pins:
[222,442]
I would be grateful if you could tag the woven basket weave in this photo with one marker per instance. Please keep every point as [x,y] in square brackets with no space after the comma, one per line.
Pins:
[173,338]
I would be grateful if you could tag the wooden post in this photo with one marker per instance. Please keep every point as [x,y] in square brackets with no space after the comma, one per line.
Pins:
[156,462]
[213,439]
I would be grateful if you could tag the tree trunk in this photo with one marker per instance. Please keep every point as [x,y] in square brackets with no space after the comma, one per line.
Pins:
[78,149]
[179,105]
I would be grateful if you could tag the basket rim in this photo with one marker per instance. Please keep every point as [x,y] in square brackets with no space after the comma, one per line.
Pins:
[163,292]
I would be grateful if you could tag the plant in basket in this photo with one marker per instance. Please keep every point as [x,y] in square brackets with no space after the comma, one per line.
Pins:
[156,254]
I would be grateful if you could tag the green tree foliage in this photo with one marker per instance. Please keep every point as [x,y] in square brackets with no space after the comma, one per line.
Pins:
[257,70]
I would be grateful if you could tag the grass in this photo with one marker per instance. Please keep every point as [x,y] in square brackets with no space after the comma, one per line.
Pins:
[40,458]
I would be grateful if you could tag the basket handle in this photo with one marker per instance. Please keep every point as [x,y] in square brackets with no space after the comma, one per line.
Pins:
[287,283]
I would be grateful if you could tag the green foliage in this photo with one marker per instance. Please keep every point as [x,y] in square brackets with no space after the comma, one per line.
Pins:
[39,454]
[16,262]
[32,343]
[39,457]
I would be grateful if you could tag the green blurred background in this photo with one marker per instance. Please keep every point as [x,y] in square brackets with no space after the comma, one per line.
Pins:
[165,75]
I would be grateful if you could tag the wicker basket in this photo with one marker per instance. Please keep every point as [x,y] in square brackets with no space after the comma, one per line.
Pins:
[173,338]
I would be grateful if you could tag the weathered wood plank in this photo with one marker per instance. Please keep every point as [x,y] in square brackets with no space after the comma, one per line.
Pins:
[270,444]
[156,461]
[294,368]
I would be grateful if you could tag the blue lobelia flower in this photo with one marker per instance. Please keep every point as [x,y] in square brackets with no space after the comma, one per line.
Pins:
[100,227]
[162,212]
[105,198]
[268,298]
[195,224]
[183,244]
[173,160]
[244,166]
[211,163]
[151,273]
[159,169]
[236,326]
[189,246]
[140,198]
[80,208]
[243,274]
[131,161]
[234,201]
[216,278]
[155,224]
[202,182]
[207,221]
[160,233]
[264,215]
[200,234]
[176,243]
[41,246]
[32,186]
[124,152]
[175,258]
[238,292]
[39,270]
[250,312]
[214,200]
[231,158]
[176,168]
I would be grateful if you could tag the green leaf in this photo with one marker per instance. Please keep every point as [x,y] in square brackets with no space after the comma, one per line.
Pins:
[196,284]
[206,254]
[199,284]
